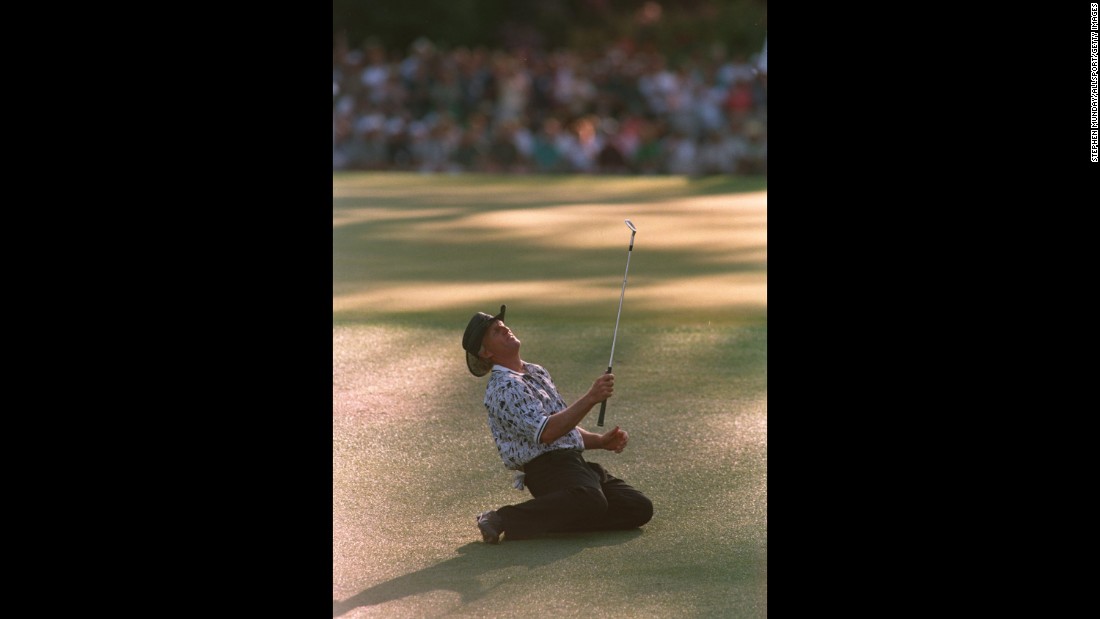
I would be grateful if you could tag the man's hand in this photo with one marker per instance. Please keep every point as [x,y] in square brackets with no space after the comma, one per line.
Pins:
[563,421]
[602,388]
[614,440]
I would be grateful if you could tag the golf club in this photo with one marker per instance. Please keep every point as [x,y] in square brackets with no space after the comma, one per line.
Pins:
[633,231]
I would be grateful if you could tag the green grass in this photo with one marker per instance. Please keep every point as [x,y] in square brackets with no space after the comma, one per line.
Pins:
[413,257]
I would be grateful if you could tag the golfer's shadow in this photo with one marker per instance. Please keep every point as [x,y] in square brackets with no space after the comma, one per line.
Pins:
[463,574]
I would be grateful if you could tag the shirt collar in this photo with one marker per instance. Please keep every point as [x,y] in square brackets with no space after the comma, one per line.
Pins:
[497,366]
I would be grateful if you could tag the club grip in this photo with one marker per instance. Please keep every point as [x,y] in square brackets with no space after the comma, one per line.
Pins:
[603,405]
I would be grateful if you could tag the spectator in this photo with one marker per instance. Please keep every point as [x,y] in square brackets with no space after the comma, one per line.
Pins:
[503,154]
[648,158]
[610,159]
[545,155]
[680,154]
[468,155]
[626,110]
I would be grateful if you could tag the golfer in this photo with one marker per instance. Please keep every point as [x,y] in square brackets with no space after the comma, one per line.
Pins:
[538,437]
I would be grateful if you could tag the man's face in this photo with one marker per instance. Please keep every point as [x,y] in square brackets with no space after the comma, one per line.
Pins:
[499,340]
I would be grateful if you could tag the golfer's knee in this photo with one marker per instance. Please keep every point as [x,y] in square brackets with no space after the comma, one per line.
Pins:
[639,512]
[591,502]
[643,511]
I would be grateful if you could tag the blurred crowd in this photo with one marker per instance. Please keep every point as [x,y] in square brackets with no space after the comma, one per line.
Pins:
[619,111]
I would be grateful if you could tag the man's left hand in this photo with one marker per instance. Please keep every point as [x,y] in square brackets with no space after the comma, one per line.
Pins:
[614,440]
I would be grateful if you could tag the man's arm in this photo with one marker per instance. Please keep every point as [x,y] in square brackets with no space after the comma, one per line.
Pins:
[612,440]
[591,439]
[561,422]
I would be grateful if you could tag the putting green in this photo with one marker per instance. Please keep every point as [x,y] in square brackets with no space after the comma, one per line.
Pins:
[414,256]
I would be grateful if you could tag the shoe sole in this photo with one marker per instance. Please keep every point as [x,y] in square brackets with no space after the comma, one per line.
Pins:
[487,534]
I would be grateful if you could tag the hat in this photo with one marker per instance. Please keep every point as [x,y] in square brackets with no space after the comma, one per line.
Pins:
[471,339]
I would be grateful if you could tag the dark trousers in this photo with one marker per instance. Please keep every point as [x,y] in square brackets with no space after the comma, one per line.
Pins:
[572,495]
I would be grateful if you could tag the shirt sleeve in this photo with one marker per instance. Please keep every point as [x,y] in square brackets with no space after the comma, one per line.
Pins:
[518,412]
[556,403]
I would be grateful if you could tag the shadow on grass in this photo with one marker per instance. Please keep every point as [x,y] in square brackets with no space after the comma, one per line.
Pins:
[469,573]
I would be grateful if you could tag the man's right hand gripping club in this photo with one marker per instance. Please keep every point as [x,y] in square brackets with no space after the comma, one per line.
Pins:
[560,423]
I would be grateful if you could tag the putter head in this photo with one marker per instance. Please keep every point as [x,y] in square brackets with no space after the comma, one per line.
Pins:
[630,225]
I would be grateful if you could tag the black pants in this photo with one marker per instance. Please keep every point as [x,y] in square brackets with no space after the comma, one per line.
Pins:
[573,495]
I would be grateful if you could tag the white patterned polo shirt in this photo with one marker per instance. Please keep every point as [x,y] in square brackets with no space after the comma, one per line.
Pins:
[519,406]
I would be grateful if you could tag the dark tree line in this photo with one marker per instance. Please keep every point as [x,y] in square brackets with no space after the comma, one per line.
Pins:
[673,27]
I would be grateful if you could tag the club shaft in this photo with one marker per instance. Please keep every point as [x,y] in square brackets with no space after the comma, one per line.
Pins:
[615,336]
[622,293]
